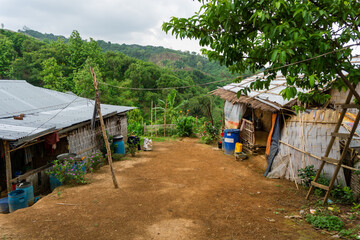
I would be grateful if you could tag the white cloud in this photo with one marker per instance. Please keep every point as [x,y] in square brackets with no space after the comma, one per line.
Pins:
[118,21]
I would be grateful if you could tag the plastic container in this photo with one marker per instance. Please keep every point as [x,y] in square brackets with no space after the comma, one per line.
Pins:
[54,183]
[238,147]
[29,191]
[4,205]
[119,144]
[232,136]
[17,200]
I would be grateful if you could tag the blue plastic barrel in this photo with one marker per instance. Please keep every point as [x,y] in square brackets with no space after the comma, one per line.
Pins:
[17,200]
[119,144]
[4,205]
[231,137]
[29,191]
[54,183]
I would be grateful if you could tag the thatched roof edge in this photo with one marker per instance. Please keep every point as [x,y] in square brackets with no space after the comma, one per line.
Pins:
[253,103]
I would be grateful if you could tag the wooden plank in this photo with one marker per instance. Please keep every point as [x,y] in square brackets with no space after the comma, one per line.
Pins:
[318,185]
[340,135]
[330,160]
[29,173]
[350,105]
[8,166]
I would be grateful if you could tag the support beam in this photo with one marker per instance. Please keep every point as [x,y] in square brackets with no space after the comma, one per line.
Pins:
[8,165]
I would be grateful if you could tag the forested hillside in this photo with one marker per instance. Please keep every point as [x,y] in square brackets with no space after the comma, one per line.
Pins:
[63,65]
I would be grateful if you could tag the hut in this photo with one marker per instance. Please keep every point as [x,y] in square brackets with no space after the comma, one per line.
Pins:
[292,141]
[37,124]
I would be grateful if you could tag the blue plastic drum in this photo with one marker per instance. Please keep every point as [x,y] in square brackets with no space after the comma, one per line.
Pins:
[119,144]
[231,137]
[17,200]
[29,191]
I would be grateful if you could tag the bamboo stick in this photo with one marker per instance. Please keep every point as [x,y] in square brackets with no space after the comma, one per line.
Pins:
[103,127]
[165,118]
[151,119]
[8,165]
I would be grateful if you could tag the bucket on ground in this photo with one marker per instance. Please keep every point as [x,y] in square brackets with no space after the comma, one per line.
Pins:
[238,147]
[4,205]
[29,191]
[119,144]
[231,137]
[17,200]
[54,183]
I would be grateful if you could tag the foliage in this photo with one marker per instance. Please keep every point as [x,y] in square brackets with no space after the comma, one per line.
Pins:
[343,194]
[185,126]
[102,147]
[68,171]
[255,34]
[132,145]
[117,157]
[306,175]
[94,161]
[351,233]
[172,108]
[323,181]
[211,132]
[329,222]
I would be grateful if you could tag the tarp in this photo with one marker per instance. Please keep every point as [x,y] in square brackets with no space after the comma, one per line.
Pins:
[233,114]
[274,146]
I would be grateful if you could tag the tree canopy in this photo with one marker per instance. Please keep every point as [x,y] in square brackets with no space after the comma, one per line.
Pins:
[281,35]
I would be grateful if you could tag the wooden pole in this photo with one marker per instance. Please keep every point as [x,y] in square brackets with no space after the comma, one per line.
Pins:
[151,118]
[8,166]
[211,110]
[96,84]
[155,121]
[165,118]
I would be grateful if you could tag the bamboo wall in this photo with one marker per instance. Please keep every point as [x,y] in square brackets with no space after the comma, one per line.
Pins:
[84,141]
[311,133]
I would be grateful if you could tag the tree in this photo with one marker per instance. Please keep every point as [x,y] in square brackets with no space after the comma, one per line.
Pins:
[52,75]
[7,54]
[255,34]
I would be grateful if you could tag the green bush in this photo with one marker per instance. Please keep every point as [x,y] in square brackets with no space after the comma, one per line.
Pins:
[185,126]
[332,223]
[343,194]
[68,171]
[306,175]
[211,133]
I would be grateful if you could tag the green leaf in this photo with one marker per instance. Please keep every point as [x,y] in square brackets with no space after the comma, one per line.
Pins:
[277,5]
[312,81]
[274,55]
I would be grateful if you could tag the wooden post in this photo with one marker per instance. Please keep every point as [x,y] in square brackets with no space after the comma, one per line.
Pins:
[211,111]
[151,118]
[8,166]
[165,118]
[155,122]
[96,84]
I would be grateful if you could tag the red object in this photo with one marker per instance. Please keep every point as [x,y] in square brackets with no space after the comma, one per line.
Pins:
[220,142]
[52,138]
[14,186]
[222,134]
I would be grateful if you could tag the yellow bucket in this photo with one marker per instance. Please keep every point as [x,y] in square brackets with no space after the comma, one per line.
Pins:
[238,147]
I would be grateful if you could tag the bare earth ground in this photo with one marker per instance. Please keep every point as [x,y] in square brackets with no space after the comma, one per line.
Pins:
[181,190]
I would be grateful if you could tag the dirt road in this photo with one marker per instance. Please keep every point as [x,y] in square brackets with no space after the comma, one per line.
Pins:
[181,190]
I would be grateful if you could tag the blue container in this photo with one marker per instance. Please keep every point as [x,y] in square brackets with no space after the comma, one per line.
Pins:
[54,183]
[29,191]
[4,205]
[17,200]
[231,137]
[119,144]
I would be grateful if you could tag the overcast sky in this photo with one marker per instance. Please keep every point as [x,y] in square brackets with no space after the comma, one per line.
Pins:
[117,21]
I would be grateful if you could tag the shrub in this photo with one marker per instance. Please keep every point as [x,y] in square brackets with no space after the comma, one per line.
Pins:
[306,175]
[68,171]
[343,194]
[211,132]
[185,126]
[332,223]
[94,161]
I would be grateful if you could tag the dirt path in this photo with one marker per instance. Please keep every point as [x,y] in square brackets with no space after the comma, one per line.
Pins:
[181,190]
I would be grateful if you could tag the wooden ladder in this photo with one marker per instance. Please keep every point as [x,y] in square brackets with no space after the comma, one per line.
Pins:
[335,134]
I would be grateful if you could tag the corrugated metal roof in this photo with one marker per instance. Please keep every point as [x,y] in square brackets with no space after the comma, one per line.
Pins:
[276,86]
[45,110]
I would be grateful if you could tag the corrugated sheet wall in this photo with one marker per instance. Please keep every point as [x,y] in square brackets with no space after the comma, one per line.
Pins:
[310,133]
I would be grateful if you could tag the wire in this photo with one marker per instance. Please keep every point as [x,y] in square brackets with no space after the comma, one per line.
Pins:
[241,76]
